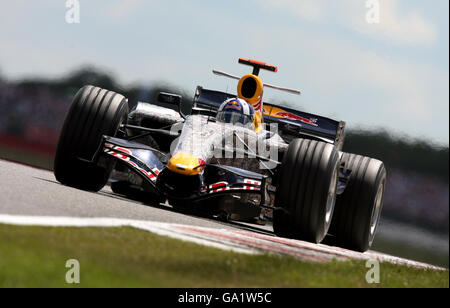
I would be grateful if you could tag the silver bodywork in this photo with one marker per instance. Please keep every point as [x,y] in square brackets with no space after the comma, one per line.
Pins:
[153,113]
[214,143]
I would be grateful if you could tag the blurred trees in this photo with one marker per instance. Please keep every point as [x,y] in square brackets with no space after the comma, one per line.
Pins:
[401,153]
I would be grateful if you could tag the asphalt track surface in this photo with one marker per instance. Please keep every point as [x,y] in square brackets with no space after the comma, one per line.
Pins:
[30,194]
[29,191]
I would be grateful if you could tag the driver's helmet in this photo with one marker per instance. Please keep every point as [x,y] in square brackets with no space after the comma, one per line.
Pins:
[236,110]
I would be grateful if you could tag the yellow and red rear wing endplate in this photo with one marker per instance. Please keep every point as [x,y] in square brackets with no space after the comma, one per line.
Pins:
[257,65]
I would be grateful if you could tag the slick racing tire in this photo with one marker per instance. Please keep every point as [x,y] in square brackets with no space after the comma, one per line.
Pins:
[358,209]
[94,112]
[306,190]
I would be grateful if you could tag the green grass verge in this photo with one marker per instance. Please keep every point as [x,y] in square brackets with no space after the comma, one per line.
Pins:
[126,257]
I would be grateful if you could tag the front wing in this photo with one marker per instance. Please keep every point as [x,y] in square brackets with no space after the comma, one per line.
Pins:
[218,180]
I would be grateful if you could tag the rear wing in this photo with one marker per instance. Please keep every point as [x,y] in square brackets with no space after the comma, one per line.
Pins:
[257,65]
[291,123]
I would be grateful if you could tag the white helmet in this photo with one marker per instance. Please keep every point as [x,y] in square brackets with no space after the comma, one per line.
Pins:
[236,110]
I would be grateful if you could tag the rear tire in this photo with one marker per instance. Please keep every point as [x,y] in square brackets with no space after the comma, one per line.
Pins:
[306,190]
[358,209]
[94,112]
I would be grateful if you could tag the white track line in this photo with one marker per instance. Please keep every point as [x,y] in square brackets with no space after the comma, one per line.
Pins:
[154,227]
[230,240]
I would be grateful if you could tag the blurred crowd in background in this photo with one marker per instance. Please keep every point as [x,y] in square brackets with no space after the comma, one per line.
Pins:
[33,111]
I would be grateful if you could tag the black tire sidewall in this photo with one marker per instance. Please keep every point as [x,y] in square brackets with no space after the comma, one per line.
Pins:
[354,209]
[94,112]
[302,190]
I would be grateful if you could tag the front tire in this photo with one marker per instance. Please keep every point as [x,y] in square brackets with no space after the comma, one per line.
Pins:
[306,190]
[358,209]
[94,112]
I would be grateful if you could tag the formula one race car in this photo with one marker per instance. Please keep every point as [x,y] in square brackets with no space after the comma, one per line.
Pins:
[233,156]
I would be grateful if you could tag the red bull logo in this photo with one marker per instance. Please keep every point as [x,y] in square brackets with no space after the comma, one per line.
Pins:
[294,117]
[233,105]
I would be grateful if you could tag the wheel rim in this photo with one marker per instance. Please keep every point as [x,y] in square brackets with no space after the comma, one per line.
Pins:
[376,212]
[331,199]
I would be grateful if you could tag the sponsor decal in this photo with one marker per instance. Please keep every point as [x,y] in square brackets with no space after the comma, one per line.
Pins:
[202,165]
[291,116]
[258,106]
[111,150]
[224,186]
[233,105]
[252,182]
[123,150]
[152,175]
[220,186]
[117,155]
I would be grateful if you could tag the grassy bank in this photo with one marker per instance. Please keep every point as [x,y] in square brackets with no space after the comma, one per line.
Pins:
[125,257]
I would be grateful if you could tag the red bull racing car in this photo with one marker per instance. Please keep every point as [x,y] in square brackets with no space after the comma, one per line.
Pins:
[232,156]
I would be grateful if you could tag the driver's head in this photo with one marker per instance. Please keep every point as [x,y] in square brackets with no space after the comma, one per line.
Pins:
[236,110]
